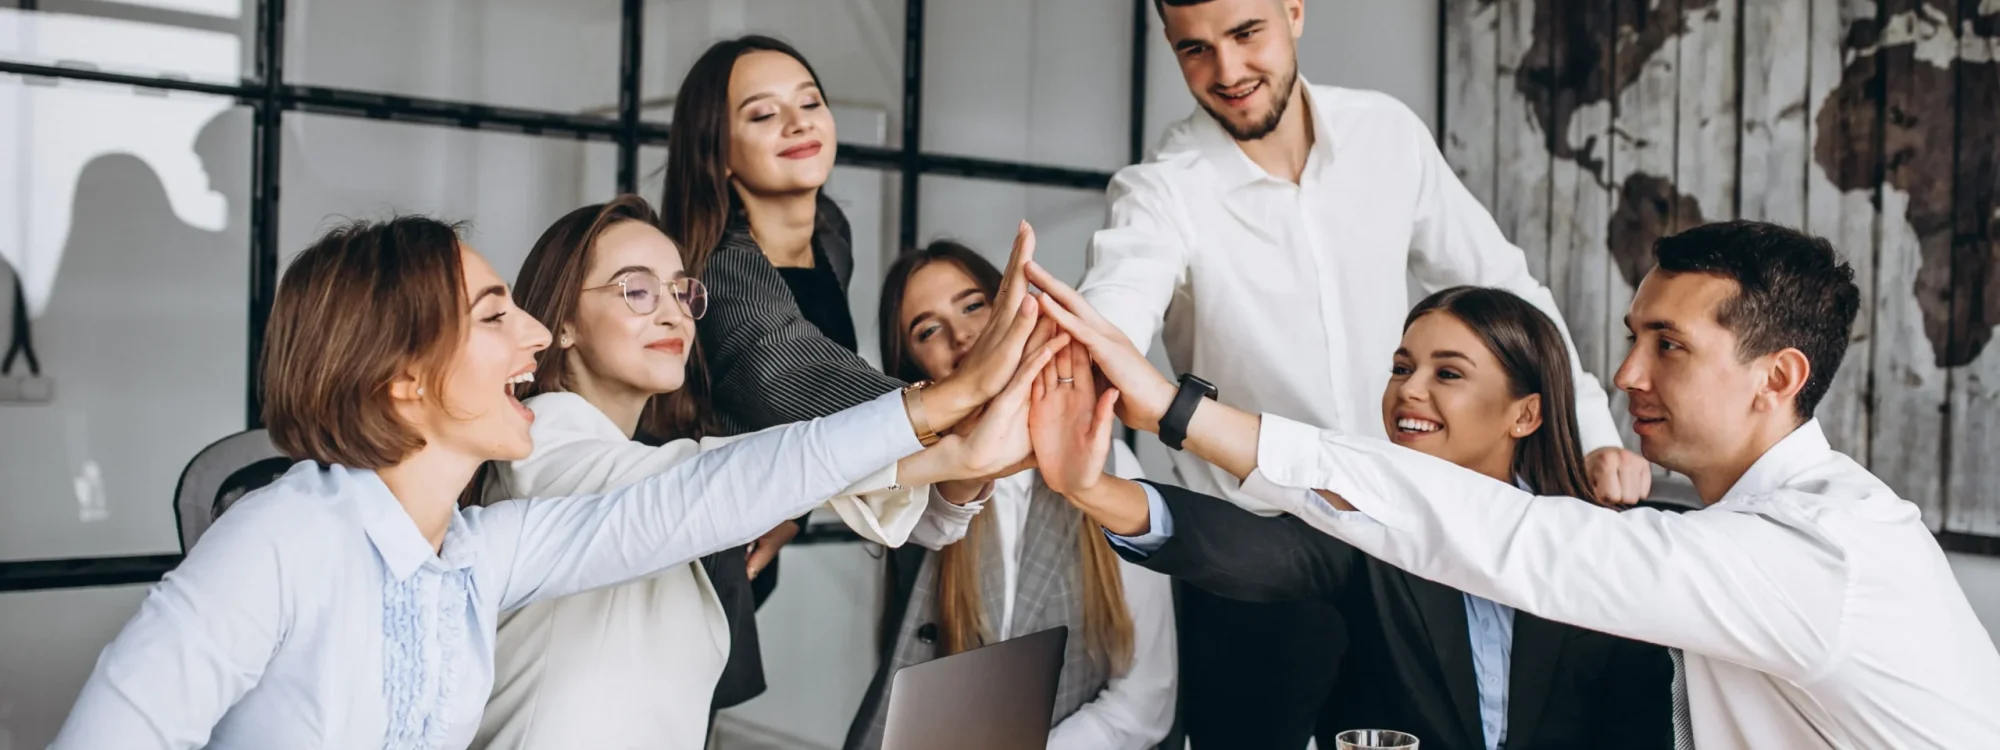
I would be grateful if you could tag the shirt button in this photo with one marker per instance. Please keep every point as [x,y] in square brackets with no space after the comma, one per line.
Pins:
[927,633]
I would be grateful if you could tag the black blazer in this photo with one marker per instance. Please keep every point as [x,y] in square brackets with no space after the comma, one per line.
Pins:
[769,366]
[1409,665]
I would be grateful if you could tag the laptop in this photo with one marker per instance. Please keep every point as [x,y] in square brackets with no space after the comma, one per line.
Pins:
[995,697]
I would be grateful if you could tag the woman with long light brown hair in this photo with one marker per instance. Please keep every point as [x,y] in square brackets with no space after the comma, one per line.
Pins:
[1030,561]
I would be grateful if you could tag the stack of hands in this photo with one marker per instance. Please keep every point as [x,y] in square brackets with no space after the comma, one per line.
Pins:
[1044,381]
[1038,390]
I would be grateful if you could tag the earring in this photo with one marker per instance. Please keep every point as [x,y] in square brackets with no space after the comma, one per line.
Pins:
[566,342]
[420,390]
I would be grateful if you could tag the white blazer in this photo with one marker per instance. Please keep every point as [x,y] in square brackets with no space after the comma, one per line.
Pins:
[634,665]
[1813,607]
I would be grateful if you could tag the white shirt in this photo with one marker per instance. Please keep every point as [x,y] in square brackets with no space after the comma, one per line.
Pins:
[1813,607]
[1135,710]
[631,666]
[1288,297]
[314,614]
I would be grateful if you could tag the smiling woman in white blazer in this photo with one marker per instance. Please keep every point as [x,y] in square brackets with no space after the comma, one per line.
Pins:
[636,665]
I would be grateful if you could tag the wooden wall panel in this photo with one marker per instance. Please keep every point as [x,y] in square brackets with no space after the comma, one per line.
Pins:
[1580,88]
[1775,136]
[1910,382]
[1521,137]
[1972,482]
[1841,190]
[1472,36]
[1706,159]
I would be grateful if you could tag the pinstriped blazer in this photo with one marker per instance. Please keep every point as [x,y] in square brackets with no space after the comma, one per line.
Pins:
[769,366]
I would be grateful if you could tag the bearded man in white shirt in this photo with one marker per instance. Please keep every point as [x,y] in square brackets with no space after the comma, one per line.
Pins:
[1807,604]
[1270,240]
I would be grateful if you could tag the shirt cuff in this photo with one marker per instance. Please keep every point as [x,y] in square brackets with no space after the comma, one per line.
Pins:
[1160,526]
[967,509]
[1294,459]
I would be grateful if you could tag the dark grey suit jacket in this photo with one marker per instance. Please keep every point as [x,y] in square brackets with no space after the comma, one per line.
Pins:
[769,366]
[1409,661]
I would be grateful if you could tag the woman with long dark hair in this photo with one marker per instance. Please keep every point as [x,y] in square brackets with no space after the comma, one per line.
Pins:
[1482,380]
[354,603]
[1029,562]
[636,665]
[752,146]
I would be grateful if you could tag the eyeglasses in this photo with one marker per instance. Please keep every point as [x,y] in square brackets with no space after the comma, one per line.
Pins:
[642,291]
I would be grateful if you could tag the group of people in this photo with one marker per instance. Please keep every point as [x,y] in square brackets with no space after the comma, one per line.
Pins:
[1421,526]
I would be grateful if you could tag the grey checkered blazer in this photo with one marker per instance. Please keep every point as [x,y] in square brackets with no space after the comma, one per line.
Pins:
[1049,593]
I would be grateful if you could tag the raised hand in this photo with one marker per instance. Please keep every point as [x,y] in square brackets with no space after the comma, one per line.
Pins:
[998,444]
[997,353]
[1069,423]
[1145,394]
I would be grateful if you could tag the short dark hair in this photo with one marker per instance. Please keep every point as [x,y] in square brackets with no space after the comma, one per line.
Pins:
[1793,291]
[1160,6]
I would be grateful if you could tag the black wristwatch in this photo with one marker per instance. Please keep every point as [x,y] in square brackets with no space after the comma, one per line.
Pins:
[1173,424]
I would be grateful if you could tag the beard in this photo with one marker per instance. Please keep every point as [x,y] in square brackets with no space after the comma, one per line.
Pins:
[1282,97]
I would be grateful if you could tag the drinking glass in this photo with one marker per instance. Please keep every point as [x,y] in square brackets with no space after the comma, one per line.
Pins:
[1375,739]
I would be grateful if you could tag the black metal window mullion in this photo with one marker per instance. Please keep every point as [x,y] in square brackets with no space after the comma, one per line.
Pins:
[268,146]
[911,159]
[631,21]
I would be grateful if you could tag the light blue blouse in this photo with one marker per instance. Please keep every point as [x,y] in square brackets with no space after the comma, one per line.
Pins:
[314,614]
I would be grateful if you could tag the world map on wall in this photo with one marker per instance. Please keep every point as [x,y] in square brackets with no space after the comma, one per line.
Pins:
[1934,136]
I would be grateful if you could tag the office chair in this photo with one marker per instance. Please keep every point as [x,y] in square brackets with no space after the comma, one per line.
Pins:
[220,475]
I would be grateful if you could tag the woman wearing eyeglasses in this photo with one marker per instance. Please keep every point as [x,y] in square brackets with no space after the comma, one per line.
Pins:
[636,665]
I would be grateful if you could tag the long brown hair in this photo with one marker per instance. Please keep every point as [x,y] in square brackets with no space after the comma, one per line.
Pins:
[549,288]
[1107,624]
[697,204]
[1530,348]
[551,285]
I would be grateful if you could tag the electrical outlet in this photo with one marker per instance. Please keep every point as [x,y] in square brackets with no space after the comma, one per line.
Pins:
[26,389]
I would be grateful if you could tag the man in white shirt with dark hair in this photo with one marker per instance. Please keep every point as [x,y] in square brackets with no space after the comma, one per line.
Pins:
[1270,241]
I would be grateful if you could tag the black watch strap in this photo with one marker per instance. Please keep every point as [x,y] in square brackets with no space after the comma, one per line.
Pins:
[1173,424]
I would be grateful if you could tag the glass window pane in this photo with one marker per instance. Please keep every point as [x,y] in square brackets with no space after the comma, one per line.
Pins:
[210,41]
[126,220]
[1043,81]
[983,214]
[856,47]
[560,56]
[509,187]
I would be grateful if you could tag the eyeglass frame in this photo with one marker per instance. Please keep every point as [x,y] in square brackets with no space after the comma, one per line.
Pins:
[624,283]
